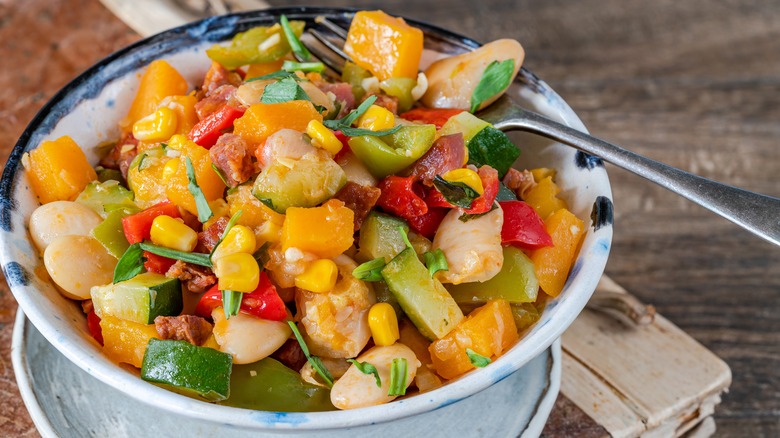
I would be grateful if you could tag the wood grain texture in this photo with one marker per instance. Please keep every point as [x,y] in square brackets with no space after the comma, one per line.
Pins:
[695,84]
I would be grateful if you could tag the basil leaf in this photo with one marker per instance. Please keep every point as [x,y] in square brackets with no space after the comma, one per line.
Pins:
[435,261]
[281,74]
[261,255]
[201,204]
[496,77]
[504,194]
[456,193]
[477,359]
[292,66]
[141,162]
[356,132]
[367,368]
[350,118]
[493,148]
[219,174]
[195,258]
[398,377]
[295,44]
[315,362]
[229,225]
[370,271]
[231,302]
[284,90]
[468,217]
[130,265]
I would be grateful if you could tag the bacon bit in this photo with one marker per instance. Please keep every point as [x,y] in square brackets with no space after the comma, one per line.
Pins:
[358,198]
[197,279]
[447,153]
[519,182]
[190,328]
[209,237]
[232,159]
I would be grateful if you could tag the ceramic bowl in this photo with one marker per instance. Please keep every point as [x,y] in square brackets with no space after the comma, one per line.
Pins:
[88,109]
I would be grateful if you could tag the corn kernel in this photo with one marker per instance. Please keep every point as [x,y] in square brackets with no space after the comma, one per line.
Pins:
[239,239]
[465,176]
[237,272]
[172,233]
[158,126]
[320,276]
[269,231]
[322,137]
[383,324]
[170,169]
[541,173]
[376,118]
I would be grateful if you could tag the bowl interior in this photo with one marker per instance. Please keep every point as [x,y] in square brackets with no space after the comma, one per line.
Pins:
[88,109]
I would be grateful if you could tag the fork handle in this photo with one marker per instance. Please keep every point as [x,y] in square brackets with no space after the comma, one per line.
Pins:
[757,213]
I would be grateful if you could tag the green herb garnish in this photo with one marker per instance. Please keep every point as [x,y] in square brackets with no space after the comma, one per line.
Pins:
[467,217]
[292,66]
[141,162]
[284,90]
[201,204]
[456,193]
[315,361]
[281,74]
[435,261]
[231,302]
[370,271]
[367,368]
[505,194]
[398,377]
[130,265]
[219,174]
[195,258]
[477,359]
[261,255]
[298,49]
[345,123]
[497,76]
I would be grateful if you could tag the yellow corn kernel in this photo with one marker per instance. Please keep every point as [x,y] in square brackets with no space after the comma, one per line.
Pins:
[320,276]
[465,176]
[541,173]
[172,233]
[158,126]
[170,169]
[269,231]
[239,239]
[220,209]
[376,118]
[237,272]
[322,137]
[383,324]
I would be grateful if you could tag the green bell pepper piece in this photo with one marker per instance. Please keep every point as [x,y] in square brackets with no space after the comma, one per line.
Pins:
[354,74]
[104,197]
[525,315]
[245,48]
[400,88]
[516,282]
[392,153]
[110,232]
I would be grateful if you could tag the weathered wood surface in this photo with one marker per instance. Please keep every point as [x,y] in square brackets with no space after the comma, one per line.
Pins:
[695,84]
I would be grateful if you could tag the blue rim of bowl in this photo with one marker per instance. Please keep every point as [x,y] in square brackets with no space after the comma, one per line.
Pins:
[218,29]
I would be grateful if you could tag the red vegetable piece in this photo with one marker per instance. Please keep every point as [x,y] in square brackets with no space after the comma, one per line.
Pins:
[137,226]
[523,227]
[263,302]
[157,263]
[427,224]
[399,197]
[93,323]
[207,131]
[484,203]
[447,153]
[436,116]
[345,145]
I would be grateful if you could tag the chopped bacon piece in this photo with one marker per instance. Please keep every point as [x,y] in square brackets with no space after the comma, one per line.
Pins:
[519,182]
[121,155]
[190,328]
[343,95]
[358,198]
[389,103]
[208,238]
[197,279]
[447,153]
[218,76]
[232,159]
[214,101]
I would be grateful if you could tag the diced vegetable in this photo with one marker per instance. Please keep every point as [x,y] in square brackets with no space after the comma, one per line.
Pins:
[177,185]
[462,122]
[110,232]
[257,45]
[435,116]
[255,213]
[379,237]
[493,148]
[263,119]
[400,88]
[184,108]
[544,197]
[138,226]
[148,182]
[516,282]
[325,231]
[488,331]
[105,197]
[140,299]
[320,276]
[525,314]
[552,264]
[159,81]
[93,324]
[125,341]
[392,153]
[188,369]
[354,75]
[523,227]
[58,170]
[424,300]
[207,131]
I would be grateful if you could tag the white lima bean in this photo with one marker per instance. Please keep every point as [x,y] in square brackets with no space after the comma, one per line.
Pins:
[451,81]
[357,390]
[356,171]
[246,337]
[61,218]
[76,263]
[473,248]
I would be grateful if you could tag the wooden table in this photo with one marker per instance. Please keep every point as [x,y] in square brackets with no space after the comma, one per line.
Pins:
[695,84]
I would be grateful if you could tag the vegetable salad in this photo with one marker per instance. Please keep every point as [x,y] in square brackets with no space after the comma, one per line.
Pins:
[281,238]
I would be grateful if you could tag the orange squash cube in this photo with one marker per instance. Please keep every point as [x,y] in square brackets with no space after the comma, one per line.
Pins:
[262,69]
[543,197]
[125,341]
[384,45]
[159,81]
[552,264]
[184,108]
[58,170]
[261,120]
[325,231]
[489,330]
[177,184]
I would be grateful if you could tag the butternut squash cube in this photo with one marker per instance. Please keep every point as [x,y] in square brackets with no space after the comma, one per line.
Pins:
[177,184]
[384,45]
[254,213]
[159,81]
[263,119]
[552,264]
[325,231]
[125,341]
[58,170]
[543,197]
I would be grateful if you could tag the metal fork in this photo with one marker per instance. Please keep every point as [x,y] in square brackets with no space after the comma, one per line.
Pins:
[757,213]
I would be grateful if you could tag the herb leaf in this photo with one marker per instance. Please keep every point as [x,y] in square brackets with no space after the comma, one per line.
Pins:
[219,174]
[477,359]
[370,271]
[231,302]
[367,368]
[505,194]
[284,90]
[295,44]
[497,76]
[261,255]
[436,261]
[130,265]
[398,377]
[349,119]
[315,362]
[493,148]
[281,74]
[356,132]
[141,162]
[195,258]
[456,193]
[292,66]
[467,217]
[201,204]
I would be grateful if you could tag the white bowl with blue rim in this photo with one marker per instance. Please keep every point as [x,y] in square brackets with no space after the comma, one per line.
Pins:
[88,110]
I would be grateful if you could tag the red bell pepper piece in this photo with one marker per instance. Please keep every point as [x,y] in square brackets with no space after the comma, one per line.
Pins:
[207,131]
[93,323]
[436,116]
[523,227]
[427,224]
[157,263]
[345,145]
[137,226]
[263,302]
[400,198]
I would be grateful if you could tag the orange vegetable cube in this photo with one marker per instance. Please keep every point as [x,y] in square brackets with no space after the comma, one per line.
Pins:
[158,82]
[186,116]
[552,264]
[384,45]
[544,198]
[325,231]
[263,119]
[262,69]
[125,341]
[177,184]
[489,330]
[254,213]
[58,170]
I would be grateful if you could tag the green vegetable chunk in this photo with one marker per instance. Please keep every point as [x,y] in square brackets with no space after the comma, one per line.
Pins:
[424,300]
[248,48]
[493,148]
[400,88]
[110,233]
[525,315]
[354,74]
[379,237]
[140,299]
[516,282]
[106,197]
[392,153]
[466,123]
[181,367]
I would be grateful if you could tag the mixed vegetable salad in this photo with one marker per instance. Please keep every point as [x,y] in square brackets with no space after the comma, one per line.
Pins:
[283,239]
